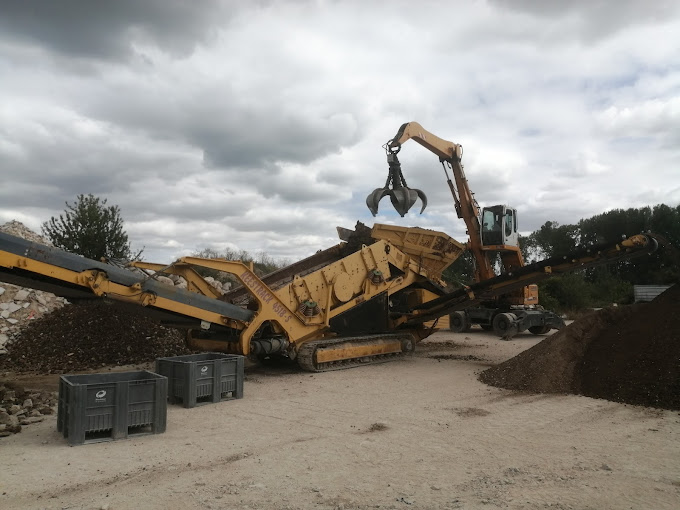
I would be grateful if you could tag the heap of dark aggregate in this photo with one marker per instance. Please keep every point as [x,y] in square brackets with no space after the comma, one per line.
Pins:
[628,354]
[90,335]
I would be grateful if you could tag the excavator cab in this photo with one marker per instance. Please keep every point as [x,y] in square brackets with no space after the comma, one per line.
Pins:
[499,226]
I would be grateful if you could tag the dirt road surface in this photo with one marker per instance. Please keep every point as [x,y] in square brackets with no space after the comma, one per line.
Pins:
[417,433]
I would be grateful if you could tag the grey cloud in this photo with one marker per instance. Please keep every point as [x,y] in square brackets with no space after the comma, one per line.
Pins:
[228,140]
[106,29]
[62,165]
[594,19]
[211,203]
[232,134]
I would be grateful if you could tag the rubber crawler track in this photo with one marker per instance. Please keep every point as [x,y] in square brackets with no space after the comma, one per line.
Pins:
[307,352]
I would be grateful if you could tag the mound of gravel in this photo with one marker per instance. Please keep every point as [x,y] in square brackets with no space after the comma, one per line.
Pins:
[88,336]
[627,354]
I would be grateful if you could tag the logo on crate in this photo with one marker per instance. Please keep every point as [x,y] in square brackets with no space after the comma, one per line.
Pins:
[100,396]
[204,370]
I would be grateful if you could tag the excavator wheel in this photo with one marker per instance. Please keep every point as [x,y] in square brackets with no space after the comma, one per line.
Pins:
[539,330]
[504,325]
[459,322]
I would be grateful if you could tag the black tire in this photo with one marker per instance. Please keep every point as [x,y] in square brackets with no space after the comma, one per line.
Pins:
[459,322]
[539,330]
[504,325]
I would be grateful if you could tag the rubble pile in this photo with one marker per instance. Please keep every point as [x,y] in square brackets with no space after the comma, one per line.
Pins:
[178,281]
[628,354]
[222,287]
[19,407]
[90,335]
[18,305]
[18,229]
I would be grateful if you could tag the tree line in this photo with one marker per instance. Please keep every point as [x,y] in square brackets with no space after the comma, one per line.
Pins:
[603,285]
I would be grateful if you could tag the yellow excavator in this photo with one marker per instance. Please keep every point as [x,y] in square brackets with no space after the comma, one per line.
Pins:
[493,235]
[368,299]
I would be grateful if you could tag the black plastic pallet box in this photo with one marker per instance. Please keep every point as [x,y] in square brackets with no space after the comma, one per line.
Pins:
[106,407]
[202,378]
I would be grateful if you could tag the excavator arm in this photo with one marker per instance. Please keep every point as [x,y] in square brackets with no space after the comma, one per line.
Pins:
[450,154]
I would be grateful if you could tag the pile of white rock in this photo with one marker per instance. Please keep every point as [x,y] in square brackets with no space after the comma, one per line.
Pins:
[178,281]
[18,305]
[18,229]
[19,407]
[221,287]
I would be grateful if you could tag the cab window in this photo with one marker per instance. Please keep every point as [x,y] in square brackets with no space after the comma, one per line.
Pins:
[489,221]
[509,222]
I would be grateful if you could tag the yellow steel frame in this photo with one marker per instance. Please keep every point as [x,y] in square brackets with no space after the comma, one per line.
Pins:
[281,307]
[335,288]
[98,283]
[195,282]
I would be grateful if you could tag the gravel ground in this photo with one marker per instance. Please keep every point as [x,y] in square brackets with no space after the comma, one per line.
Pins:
[420,433]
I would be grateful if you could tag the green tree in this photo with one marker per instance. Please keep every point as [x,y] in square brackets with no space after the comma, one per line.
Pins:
[613,283]
[611,226]
[565,293]
[91,229]
[461,272]
[550,240]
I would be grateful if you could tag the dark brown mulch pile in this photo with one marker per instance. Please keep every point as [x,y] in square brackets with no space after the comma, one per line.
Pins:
[625,354]
[88,336]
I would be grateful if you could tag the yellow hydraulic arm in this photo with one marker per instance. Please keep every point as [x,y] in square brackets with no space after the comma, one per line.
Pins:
[466,206]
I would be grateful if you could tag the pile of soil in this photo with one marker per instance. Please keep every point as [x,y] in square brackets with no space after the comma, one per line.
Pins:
[90,335]
[627,354]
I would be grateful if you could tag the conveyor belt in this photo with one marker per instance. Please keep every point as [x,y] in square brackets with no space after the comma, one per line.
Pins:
[476,293]
[55,257]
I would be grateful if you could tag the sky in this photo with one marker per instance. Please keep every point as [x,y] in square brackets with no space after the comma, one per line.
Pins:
[259,125]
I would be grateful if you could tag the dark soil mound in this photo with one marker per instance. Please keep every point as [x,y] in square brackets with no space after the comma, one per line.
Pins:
[626,354]
[90,335]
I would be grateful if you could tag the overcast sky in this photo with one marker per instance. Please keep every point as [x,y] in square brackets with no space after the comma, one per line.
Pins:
[258,125]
